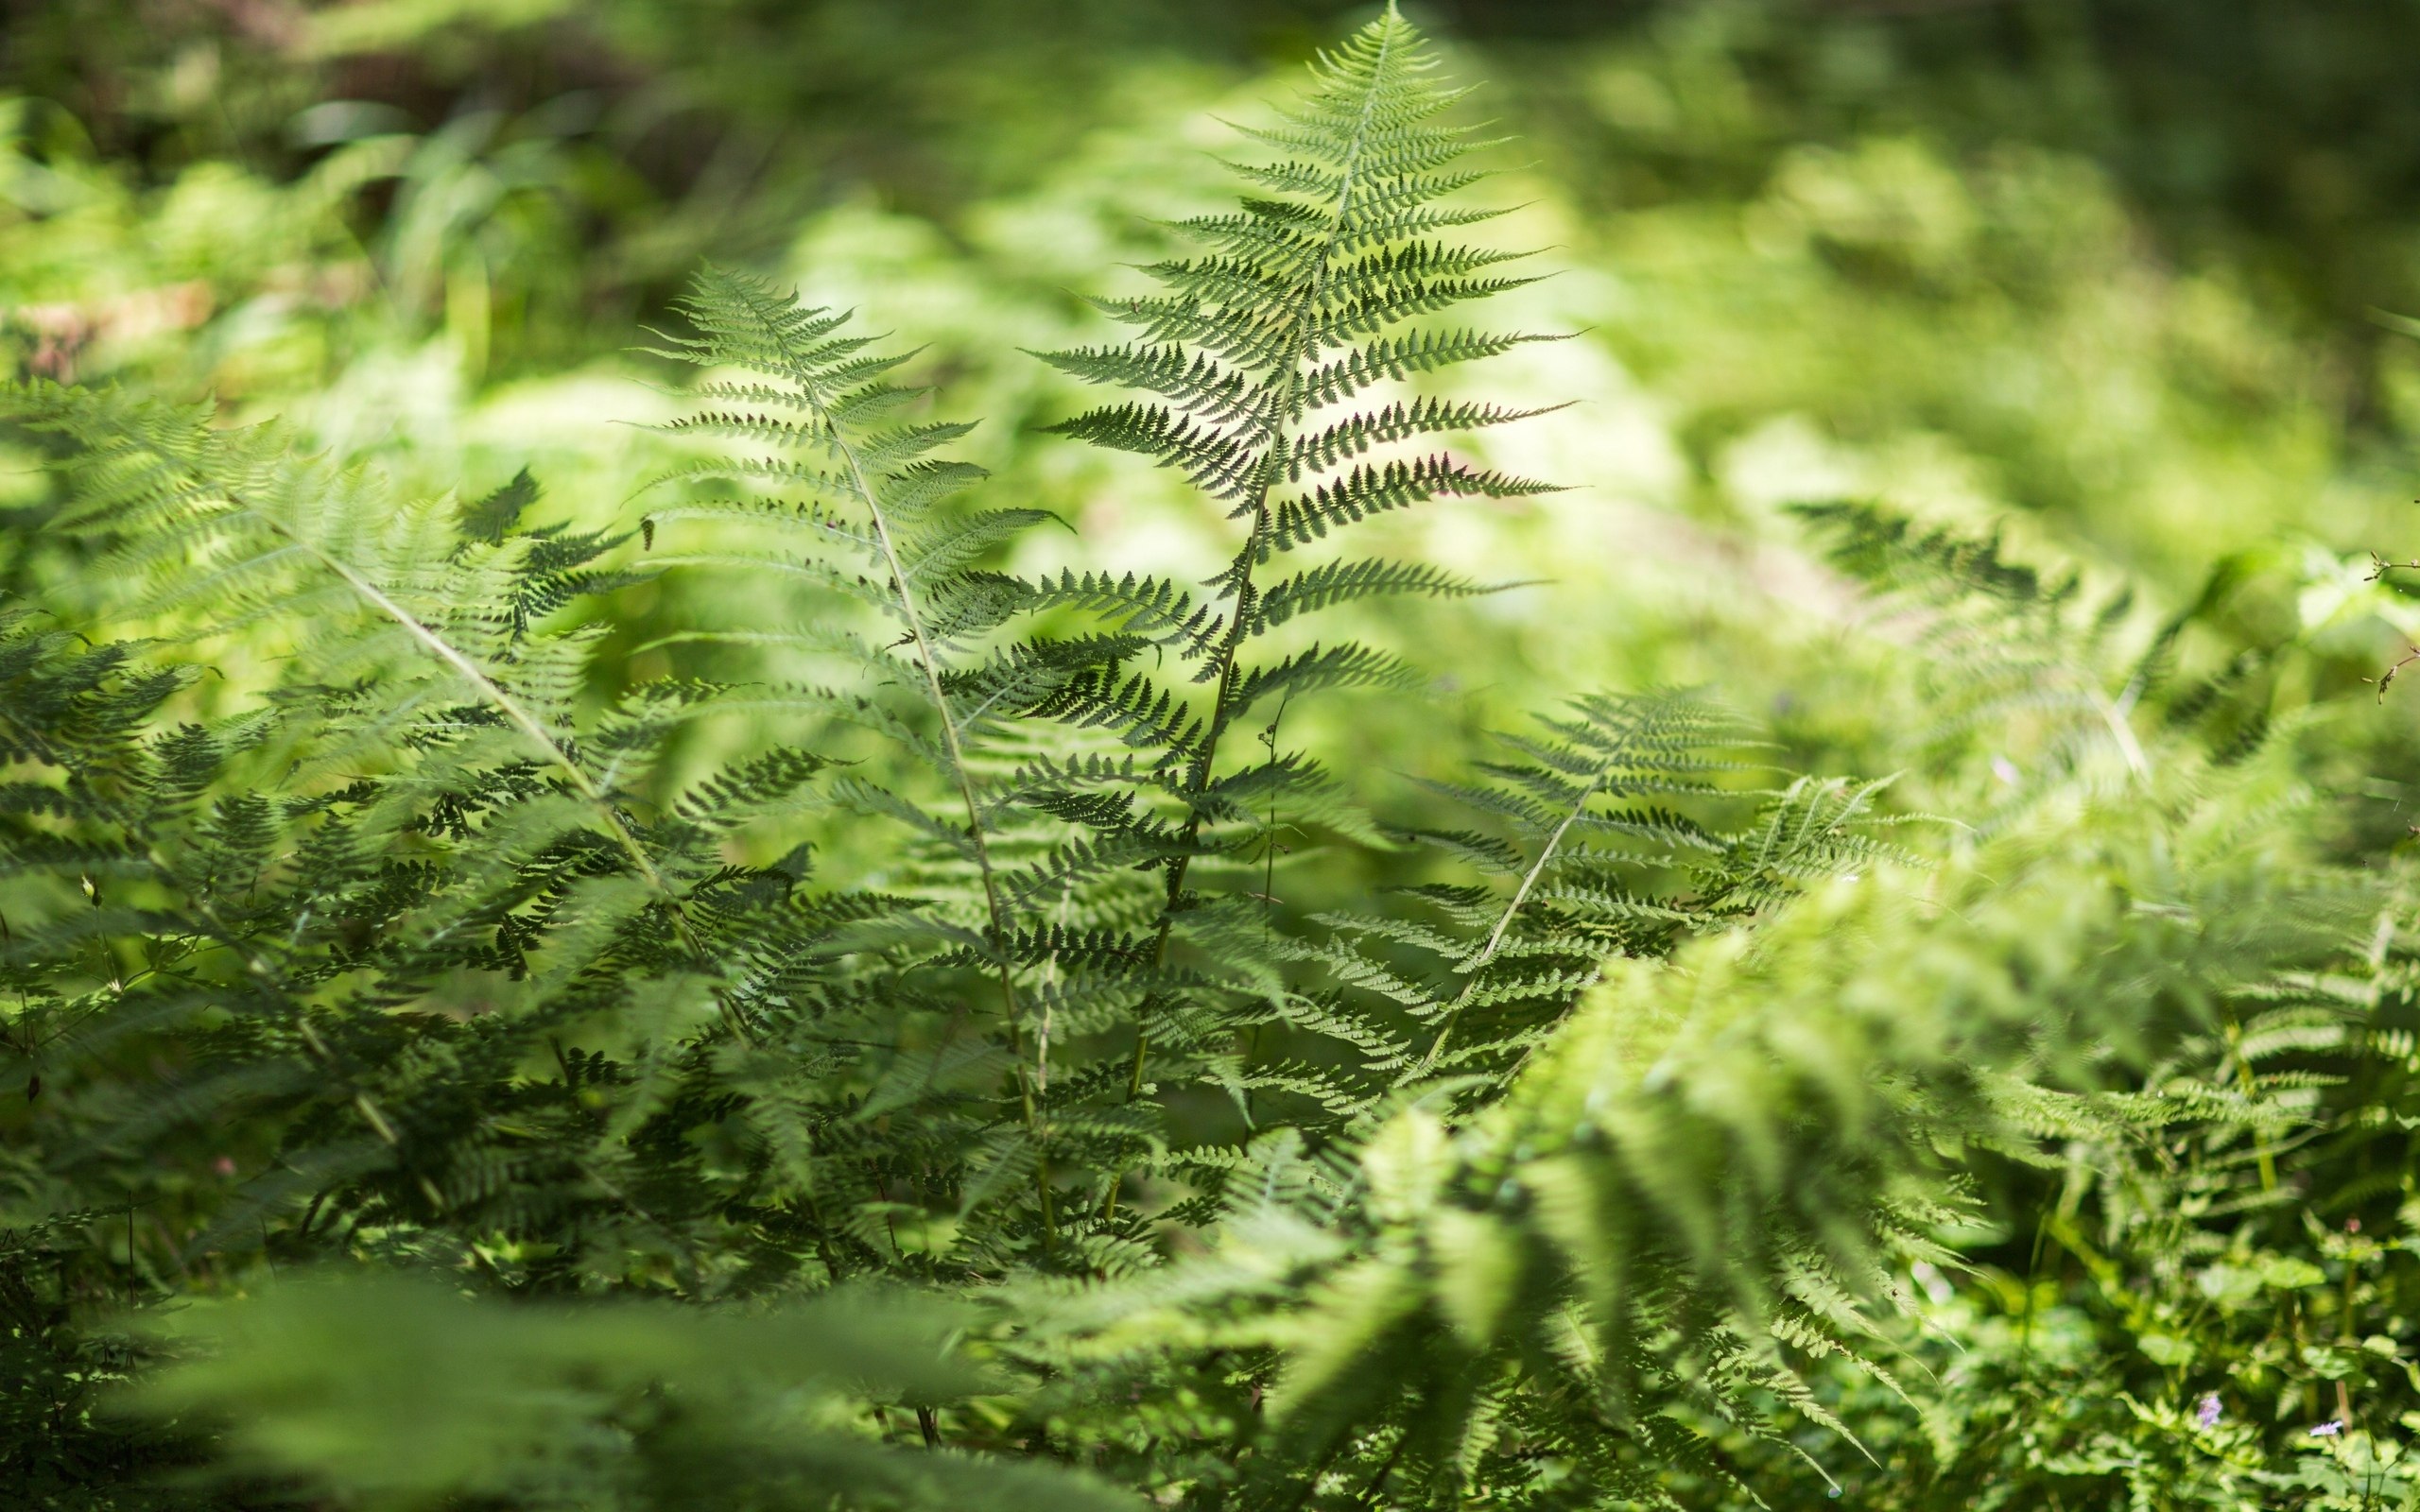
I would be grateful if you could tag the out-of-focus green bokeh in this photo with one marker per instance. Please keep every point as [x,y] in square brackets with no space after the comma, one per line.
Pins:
[2130,277]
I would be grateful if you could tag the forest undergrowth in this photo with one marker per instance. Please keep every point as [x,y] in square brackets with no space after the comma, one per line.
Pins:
[753,991]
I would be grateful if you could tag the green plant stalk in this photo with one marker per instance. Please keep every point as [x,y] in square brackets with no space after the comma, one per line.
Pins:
[1240,572]
[1503,923]
[930,665]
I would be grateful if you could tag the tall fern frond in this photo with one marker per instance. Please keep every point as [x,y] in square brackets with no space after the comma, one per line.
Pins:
[882,475]
[1254,351]
[230,524]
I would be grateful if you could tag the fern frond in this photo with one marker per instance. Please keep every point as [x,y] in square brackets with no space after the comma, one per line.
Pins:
[162,475]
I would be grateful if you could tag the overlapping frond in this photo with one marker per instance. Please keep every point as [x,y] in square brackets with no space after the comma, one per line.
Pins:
[2011,648]
[1051,750]
[1257,355]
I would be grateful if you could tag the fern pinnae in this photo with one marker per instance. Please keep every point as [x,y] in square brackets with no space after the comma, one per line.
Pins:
[1478,964]
[830,431]
[179,450]
[510,708]
[1237,346]
[824,394]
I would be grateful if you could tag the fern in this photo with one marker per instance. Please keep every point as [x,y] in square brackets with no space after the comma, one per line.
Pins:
[1255,346]
[2009,646]
[1592,1168]
[881,495]
[1592,858]
[1255,351]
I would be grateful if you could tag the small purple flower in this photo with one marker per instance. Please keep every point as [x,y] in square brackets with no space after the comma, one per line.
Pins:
[2207,1413]
[2328,1430]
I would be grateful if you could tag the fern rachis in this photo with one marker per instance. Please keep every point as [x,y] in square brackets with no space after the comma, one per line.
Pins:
[1253,342]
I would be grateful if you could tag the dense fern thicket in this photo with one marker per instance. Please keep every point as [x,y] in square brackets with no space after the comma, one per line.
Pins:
[789,969]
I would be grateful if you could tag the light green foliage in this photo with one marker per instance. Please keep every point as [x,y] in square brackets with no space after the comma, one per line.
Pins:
[629,1404]
[787,969]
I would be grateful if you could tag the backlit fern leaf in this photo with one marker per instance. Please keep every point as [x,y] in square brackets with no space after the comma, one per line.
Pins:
[1246,351]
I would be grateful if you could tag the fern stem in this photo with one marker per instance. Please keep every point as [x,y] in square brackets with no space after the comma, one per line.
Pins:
[1240,572]
[1050,980]
[930,666]
[2262,1151]
[488,688]
[927,663]
[2122,730]
[1503,924]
